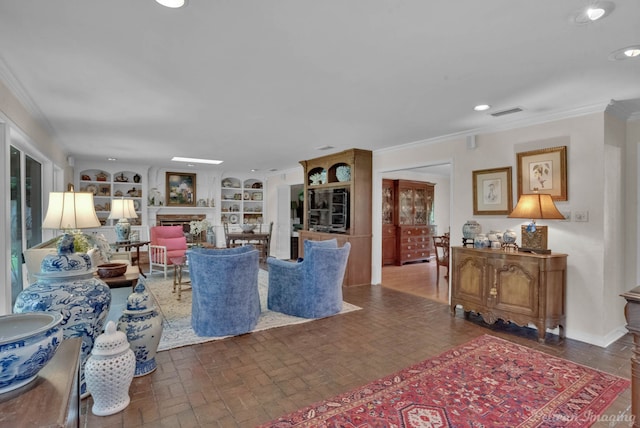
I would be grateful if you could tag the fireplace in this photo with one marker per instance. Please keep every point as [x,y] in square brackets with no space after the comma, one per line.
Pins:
[182,220]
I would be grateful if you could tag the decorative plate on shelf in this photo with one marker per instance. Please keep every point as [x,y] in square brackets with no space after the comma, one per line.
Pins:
[343,173]
[233,219]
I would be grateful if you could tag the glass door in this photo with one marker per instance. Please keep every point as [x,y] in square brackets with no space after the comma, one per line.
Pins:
[420,206]
[406,206]
[26,212]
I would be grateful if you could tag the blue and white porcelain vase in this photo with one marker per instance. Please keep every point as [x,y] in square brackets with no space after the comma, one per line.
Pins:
[481,241]
[509,236]
[66,284]
[142,324]
[470,229]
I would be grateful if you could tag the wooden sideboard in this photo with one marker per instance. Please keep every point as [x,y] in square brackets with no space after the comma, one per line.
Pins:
[53,398]
[523,288]
[632,315]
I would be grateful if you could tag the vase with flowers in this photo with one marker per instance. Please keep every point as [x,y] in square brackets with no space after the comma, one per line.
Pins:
[196,229]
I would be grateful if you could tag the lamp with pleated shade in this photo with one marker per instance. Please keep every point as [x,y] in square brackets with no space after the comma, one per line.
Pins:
[123,210]
[70,210]
[535,206]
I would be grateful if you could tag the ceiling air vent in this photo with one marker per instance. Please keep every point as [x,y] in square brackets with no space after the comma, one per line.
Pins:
[505,112]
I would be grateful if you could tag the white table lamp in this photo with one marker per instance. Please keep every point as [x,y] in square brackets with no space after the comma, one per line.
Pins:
[123,209]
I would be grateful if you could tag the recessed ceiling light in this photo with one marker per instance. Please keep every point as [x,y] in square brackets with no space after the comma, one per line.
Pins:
[633,52]
[196,160]
[482,107]
[174,4]
[112,159]
[625,53]
[596,11]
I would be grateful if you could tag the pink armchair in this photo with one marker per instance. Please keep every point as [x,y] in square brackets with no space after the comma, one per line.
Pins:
[165,242]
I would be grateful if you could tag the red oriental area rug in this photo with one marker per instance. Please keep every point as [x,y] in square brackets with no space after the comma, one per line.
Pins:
[487,382]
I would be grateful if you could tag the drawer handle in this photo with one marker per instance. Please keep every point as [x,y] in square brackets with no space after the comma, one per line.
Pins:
[409,247]
[408,232]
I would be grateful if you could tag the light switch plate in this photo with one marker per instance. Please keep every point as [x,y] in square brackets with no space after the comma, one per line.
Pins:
[581,216]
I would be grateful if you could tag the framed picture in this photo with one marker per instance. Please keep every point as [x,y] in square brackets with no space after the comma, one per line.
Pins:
[492,191]
[181,189]
[543,171]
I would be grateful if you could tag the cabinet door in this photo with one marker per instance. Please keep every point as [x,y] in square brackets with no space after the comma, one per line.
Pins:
[387,202]
[405,201]
[388,244]
[469,277]
[420,206]
[514,286]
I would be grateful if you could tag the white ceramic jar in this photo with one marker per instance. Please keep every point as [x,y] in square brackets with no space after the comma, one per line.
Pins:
[109,372]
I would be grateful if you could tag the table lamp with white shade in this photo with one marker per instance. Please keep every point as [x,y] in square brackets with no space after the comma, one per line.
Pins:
[535,206]
[70,210]
[123,210]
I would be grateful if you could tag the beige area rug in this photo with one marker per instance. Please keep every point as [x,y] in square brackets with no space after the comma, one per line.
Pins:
[176,314]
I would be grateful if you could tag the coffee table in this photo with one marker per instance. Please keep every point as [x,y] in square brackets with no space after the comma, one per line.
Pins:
[179,265]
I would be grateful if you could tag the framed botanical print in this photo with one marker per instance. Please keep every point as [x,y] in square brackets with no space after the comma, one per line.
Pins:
[181,189]
[543,171]
[492,191]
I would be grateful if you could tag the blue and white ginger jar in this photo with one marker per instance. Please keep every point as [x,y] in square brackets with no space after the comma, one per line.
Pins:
[67,284]
[142,324]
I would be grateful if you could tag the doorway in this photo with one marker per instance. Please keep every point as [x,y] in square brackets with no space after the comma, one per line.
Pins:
[420,278]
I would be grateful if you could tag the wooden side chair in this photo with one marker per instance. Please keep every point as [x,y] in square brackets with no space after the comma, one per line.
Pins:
[228,242]
[441,246]
[263,245]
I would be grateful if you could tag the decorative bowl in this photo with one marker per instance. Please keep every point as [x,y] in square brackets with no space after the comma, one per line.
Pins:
[27,342]
[110,270]
[343,173]
[246,228]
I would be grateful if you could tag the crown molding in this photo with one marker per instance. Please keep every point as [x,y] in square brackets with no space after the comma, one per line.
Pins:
[8,78]
[532,120]
[626,110]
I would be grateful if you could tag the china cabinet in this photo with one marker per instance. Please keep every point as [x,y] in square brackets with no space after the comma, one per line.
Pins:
[413,213]
[242,201]
[107,185]
[523,288]
[337,204]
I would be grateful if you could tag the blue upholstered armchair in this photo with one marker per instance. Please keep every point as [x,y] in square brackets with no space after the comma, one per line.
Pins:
[225,298]
[311,288]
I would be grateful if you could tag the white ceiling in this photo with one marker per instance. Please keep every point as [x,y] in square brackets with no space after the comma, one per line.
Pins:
[262,83]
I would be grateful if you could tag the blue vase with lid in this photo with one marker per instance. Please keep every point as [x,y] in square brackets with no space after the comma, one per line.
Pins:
[142,324]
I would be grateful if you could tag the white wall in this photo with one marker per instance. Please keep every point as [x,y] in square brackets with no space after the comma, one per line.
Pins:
[594,314]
